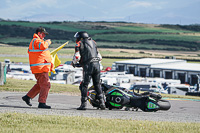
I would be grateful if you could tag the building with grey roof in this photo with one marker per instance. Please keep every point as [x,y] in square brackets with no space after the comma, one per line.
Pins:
[163,68]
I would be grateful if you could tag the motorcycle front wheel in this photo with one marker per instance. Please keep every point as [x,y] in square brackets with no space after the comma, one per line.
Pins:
[164,104]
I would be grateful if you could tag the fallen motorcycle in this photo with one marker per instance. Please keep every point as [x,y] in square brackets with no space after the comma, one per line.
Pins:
[117,98]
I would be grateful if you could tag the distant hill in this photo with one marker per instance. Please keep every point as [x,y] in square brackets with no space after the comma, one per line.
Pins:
[107,34]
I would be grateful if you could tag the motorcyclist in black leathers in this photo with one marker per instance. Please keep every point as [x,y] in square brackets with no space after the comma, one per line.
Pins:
[88,57]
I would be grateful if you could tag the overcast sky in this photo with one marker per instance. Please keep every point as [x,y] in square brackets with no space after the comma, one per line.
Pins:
[139,11]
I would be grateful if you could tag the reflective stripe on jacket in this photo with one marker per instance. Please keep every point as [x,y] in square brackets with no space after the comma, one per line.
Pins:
[39,55]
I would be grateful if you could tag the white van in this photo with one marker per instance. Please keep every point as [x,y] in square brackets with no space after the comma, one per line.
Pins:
[178,89]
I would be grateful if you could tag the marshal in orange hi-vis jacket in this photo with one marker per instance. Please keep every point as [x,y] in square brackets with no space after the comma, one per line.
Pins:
[40,63]
[39,55]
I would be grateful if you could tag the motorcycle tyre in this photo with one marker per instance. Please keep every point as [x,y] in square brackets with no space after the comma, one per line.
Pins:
[164,104]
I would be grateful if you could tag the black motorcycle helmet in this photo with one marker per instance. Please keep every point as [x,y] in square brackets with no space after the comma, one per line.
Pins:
[81,34]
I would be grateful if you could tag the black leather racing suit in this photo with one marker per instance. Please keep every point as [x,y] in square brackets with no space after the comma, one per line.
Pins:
[91,68]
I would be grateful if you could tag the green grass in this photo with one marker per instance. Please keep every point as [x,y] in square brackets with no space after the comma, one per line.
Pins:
[36,24]
[180,96]
[135,36]
[89,26]
[18,123]
[24,50]
[105,62]
[16,40]
[193,61]
[20,41]
[139,37]
[144,45]
[25,85]
[12,51]
[15,59]
[150,29]
[70,26]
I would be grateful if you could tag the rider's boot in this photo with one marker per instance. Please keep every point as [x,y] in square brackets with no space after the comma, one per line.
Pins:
[101,102]
[83,97]
[83,104]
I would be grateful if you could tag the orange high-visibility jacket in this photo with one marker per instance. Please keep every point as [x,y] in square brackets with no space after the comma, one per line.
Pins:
[39,55]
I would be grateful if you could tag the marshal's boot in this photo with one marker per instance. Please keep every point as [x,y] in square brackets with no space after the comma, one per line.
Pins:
[27,99]
[44,106]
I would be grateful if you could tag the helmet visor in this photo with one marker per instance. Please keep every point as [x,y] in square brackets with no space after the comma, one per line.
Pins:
[76,35]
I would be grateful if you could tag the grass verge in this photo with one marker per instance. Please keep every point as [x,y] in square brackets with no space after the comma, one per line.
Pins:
[18,85]
[16,122]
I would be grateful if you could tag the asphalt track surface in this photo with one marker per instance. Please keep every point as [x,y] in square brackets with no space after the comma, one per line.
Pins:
[65,105]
